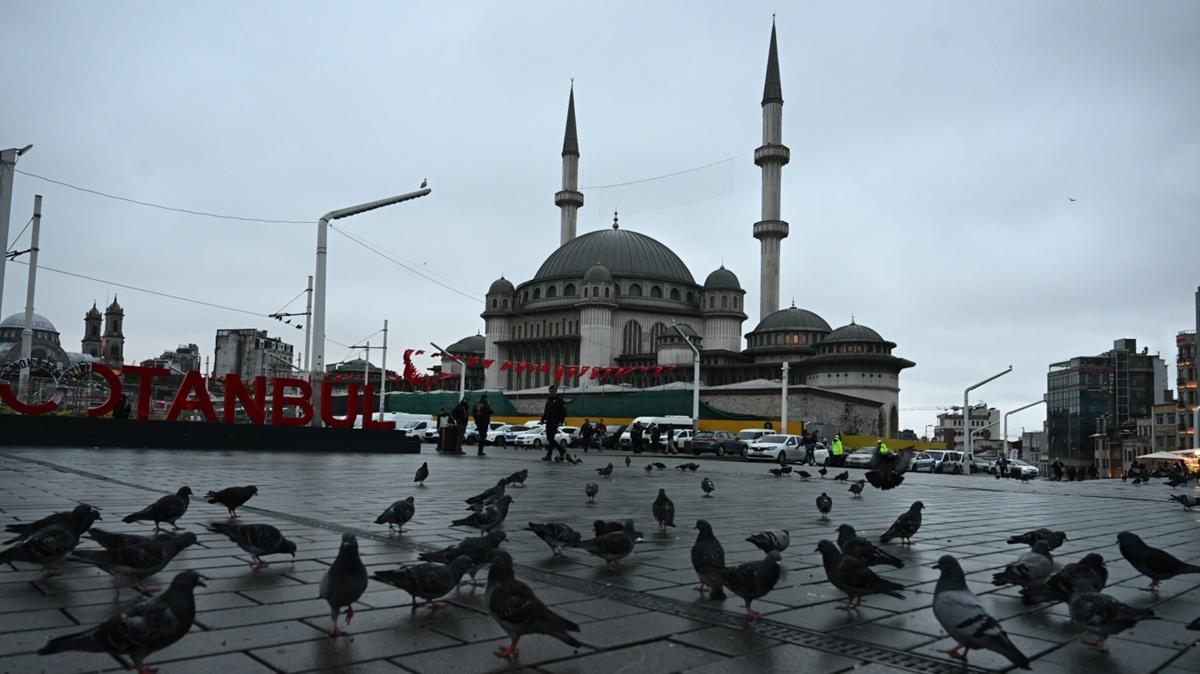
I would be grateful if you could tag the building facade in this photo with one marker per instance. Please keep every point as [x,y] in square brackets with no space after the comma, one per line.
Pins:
[181,360]
[985,427]
[250,353]
[1187,397]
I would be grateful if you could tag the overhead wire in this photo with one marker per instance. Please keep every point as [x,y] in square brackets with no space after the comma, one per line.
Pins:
[12,246]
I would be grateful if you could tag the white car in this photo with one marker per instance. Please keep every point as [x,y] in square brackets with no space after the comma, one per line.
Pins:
[749,435]
[506,435]
[1027,469]
[860,458]
[780,448]
[536,437]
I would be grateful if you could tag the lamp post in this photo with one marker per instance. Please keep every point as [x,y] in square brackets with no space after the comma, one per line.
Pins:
[317,348]
[695,380]
[967,417]
[8,166]
[1025,407]
[783,428]
[27,332]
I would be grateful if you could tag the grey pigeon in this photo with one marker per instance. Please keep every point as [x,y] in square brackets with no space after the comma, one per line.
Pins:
[614,546]
[166,509]
[753,580]
[1103,616]
[344,582]
[823,471]
[777,472]
[771,540]
[708,559]
[600,527]
[853,576]
[488,494]
[1155,564]
[707,486]
[51,544]
[605,471]
[422,474]
[232,498]
[1060,586]
[824,505]
[136,562]
[803,474]
[475,548]
[398,514]
[427,580]
[649,467]
[557,536]
[147,627]
[256,539]
[518,610]
[966,621]
[867,552]
[518,478]
[424,183]
[842,476]
[1194,625]
[664,510]
[1188,502]
[1054,539]
[690,465]
[1031,568]
[659,465]
[591,489]
[25,529]
[111,540]
[487,519]
[906,525]
[856,488]
[628,461]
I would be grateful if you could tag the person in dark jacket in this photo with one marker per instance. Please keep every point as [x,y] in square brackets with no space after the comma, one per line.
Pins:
[443,421]
[483,417]
[122,410]
[635,438]
[553,415]
[655,436]
[459,415]
[586,431]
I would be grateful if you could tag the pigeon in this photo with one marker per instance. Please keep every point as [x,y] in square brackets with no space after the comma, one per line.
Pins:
[787,470]
[475,548]
[966,621]
[824,505]
[496,492]
[111,541]
[803,474]
[1031,568]
[591,489]
[344,582]
[136,562]
[518,478]
[1176,481]
[856,488]
[1024,478]
[1155,564]
[649,467]
[600,527]
[25,529]
[1188,502]
[488,518]
[865,551]
[425,183]
[518,610]
[557,536]
[148,626]
[398,514]
[753,580]
[707,486]
[613,546]
[823,472]
[257,539]
[771,540]
[1061,586]
[852,576]
[708,559]
[51,544]
[628,461]
[842,476]
[1103,616]
[427,580]
[422,474]
[1194,625]
[166,509]
[659,465]
[777,472]
[691,465]
[605,471]
[1053,538]
[232,498]
[887,470]
[906,525]
[664,510]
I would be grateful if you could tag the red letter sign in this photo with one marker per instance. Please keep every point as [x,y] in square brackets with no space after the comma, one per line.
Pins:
[281,400]
[146,376]
[193,381]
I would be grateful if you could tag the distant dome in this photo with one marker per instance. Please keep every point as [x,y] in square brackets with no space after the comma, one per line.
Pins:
[623,252]
[468,345]
[597,274]
[40,322]
[93,312]
[722,279]
[793,319]
[854,333]
[501,286]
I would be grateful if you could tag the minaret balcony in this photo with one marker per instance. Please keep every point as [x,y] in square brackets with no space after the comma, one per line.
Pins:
[772,154]
[777,229]
[568,197]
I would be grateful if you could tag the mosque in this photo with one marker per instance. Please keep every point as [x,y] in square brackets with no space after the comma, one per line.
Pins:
[612,297]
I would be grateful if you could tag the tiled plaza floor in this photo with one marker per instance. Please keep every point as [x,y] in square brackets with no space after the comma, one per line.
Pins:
[644,618]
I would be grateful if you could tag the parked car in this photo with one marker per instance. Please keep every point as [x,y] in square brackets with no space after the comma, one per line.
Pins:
[922,463]
[780,448]
[717,442]
[665,424]
[860,458]
[949,462]
[612,439]
[749,435]
[682,439]
[417,428]
[536,437]
[506,435]
[820,454]
[1027,469]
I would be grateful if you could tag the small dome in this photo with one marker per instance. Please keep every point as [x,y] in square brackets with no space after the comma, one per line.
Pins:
[722,279]
[93,312]
[598,274]
[501,286]
[40,322]
[854,333]
[793,319]
[472,346]
[114,308]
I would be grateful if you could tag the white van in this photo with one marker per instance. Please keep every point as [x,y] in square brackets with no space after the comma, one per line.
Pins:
[671,422]
[405,423]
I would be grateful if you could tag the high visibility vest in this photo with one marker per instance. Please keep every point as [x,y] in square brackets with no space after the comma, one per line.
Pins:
[837,448]
[883,448]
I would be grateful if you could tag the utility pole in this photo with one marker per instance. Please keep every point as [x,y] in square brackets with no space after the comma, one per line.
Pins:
[27,333]
[695,379]
[967,419]
[783,428]
[383,373]
[308,324]
[8,166]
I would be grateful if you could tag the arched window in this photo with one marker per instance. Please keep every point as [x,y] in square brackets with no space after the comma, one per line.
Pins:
[493,302]
[635,290]
[656,331]
[504,304]
[690,298]
[712,302]
[585,291]
[656,292]
[675,294]
[552,291]
[569,290]
[631,338]
[724,301]
[537,293]
[616,290]
[606,292]
[735,301]
[525,297]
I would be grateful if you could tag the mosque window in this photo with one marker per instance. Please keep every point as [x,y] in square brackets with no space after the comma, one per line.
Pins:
[493,302]
[690,298]
[735,302]
[585,291]
[658,330]
[552,291]
[631,338]
[503,304]
[606,292]
[616,289]
[656,292]
[675,294]
[537,293]
[569,290]
[635,290]
[712,302]
[525,297]
[725,302]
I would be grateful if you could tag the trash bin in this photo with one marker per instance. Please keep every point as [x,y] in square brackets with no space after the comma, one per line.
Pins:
[450,440]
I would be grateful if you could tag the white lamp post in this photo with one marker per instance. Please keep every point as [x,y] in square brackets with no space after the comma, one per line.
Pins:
[967,418]
[695,380]
[1024,407]
[8,166]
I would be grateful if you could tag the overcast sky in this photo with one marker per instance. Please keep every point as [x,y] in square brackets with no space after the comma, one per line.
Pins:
[935,149]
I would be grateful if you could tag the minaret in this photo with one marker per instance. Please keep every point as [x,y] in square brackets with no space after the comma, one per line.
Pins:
[91,332]
[112,342]
[569,199]
[772,157]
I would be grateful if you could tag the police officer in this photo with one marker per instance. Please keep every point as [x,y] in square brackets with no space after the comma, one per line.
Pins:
[836,451]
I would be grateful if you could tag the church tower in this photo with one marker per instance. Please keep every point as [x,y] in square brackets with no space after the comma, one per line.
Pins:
[112,343]
[772,156]
[569,199]
[91,332]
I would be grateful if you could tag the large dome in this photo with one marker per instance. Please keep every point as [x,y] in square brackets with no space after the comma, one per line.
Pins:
[854,333]
[625,253]
[472,344]
[40,322]
[793,319]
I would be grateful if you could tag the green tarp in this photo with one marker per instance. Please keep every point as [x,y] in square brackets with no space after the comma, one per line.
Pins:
[432,402]
[615,405]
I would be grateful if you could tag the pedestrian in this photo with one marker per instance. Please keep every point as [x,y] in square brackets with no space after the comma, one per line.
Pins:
[809,448]
[1057,467]
[769,426]
[836,452]
[1072,474]
[443,421]
[601,432]
[1001,467]
[1093,474]
[635,438]
[483,418]
[553,415]
[586,431]
[655,436]
[459,416]
[122,410]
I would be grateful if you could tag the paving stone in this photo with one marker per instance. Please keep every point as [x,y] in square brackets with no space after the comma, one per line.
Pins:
[633,629]
[651,658]
[784,658]
[208,642]
[331,653]
[725,641]
[229,663]
[33,620]
[478,658]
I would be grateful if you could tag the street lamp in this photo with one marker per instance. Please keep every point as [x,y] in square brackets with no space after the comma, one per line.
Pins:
[696,381]
[317,348]
[967,417]
[8,166]
[1023,407]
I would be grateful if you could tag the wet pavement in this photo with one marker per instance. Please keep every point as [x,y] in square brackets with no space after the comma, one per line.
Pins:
[644,617]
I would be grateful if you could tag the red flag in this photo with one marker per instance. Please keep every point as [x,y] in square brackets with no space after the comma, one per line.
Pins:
[419,352]
[572,371]
[658,370]
[520,367]
[473,361]
[487,362]
[545,368]
[558,373]
[506,365]
[583,369]
[645,368]
[596,372]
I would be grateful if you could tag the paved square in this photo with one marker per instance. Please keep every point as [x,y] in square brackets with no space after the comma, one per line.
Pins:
[642,618]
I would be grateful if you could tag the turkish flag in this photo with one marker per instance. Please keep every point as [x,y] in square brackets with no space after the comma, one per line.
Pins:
[520,367]
[506,365]
[658,370]
[487,362]
[583,369]
[419,352]
[597,372]
[558,373]
[473,361]
[546,368]
[572,371]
